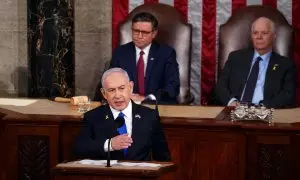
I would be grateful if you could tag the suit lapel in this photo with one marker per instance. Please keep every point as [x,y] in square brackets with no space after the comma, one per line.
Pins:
[132,64]
[108,117]
[249,58]
[245,69]
[135,120]
[150,62]
[270,73]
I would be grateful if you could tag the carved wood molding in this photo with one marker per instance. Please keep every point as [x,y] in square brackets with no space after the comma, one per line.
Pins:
[273,161]
[33,157]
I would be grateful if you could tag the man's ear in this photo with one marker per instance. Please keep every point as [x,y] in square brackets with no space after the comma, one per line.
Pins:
[274,36]
[154,34]
[103,92]
[131,85]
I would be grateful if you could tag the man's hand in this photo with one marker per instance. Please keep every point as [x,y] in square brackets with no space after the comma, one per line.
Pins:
[234,103]
[137,97]
[121,142]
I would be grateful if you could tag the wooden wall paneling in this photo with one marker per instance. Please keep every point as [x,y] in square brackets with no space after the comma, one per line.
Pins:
[269,156]
[2,149]
[68,134]
[218,155]
[33,157]
[180,142]
[295,156]
[21,146]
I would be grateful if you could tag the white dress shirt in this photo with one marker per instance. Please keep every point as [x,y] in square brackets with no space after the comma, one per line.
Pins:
[258,94]
[146,51]
[128,121]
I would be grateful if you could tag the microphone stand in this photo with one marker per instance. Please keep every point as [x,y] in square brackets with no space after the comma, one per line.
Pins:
[118,122]
[156,107]
[108,154]
[153,98]
[108,148]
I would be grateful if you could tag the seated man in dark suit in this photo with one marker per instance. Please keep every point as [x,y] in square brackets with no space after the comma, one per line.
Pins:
[258,75]
[138,139]
[151,66]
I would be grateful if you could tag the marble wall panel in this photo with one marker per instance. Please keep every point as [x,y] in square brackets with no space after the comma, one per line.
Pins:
[13,48]
[7,16]
[91,40]
[51,42]
[21,71]
[92,44]
[8,64]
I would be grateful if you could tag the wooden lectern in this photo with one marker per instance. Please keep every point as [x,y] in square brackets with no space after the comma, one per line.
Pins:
[73,170]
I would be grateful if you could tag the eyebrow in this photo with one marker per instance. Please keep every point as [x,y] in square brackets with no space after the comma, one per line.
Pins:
[118,86]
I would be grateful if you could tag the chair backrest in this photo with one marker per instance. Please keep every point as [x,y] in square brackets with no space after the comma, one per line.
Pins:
[172,30]
[236,32]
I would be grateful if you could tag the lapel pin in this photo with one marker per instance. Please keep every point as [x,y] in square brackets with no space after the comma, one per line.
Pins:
[151,59]
[275,66]
[106,117]
[137,116]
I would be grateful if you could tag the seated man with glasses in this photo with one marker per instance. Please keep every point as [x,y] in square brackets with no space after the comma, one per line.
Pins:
[151,66]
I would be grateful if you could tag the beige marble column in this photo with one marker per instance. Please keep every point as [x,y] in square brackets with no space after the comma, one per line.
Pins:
[92,43]
[13,48]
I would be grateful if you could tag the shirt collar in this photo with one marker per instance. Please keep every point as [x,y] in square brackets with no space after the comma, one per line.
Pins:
[146,49]
[264,57]
[127,111]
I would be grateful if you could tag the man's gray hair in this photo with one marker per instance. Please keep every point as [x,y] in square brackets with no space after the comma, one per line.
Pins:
[273,27]
[113,70]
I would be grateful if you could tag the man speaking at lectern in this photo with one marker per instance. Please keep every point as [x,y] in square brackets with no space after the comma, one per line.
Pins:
[138,139]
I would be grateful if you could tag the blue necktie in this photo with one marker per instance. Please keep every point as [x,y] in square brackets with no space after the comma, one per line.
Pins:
[122,129]
[251,82]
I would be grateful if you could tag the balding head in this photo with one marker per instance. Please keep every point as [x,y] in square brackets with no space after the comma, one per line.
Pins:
[262,34]
[113,70]
[267,21]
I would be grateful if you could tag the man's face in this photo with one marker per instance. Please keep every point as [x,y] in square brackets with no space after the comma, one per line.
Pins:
[117,90]
[262,35]
[142,34]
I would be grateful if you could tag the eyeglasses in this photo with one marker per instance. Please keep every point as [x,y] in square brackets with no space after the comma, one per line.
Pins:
[137,32]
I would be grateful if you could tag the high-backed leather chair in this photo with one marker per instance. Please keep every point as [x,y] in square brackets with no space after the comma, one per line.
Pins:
[172,30]
[236,32]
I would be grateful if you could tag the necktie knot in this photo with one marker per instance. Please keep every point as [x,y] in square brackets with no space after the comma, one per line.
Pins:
[142,53]
[121,114]
[258,59]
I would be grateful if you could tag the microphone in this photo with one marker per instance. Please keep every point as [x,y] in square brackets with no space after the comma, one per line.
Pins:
[118,122]
[153,98]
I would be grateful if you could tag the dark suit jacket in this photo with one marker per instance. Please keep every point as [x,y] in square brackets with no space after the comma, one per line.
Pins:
[147,135]
[162,73]
[280,82]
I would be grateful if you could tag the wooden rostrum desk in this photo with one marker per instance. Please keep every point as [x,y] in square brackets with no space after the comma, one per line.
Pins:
[74,170]
[203,143]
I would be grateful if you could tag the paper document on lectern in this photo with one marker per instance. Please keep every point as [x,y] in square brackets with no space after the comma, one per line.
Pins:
[115,162]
